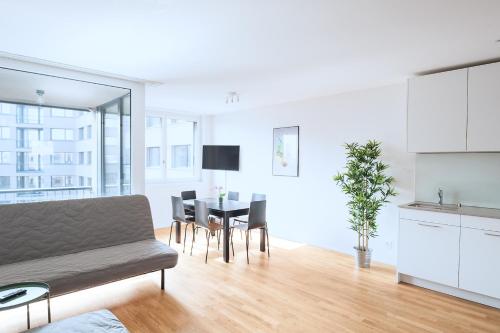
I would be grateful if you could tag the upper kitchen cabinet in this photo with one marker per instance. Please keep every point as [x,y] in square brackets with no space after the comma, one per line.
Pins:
[437,112]
[483,131]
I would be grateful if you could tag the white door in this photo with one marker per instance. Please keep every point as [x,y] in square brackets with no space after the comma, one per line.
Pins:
[437,112]
[483,131]
[429,251]
[479,263]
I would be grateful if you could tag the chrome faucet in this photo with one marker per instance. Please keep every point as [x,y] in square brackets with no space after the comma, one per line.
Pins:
[440,194]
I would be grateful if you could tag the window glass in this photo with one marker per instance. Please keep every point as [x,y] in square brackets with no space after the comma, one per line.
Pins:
[153,157]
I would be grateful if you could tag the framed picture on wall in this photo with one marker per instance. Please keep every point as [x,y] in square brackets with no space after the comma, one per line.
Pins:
[286,151]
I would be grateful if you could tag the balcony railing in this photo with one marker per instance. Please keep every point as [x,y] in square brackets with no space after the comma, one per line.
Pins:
[45,194]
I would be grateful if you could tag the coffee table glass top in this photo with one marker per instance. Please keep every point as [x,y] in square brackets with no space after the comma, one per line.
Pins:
[34,291]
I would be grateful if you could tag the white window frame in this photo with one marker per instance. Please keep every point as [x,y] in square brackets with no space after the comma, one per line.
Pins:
[197,149]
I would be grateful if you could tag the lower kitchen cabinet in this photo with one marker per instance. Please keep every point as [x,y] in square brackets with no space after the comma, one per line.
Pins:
[479,261]
[429,251]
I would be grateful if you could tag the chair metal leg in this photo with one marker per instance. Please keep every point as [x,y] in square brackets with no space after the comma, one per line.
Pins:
[170,238]
[208,243]
[185,233]
[192,242]
[231,235]
[267,236]
[162,279]
[246,234]
[219,232]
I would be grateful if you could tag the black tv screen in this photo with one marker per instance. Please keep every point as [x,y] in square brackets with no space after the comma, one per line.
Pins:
[221,158]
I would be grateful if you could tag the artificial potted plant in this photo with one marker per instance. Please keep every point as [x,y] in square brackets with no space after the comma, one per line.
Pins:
[368,188]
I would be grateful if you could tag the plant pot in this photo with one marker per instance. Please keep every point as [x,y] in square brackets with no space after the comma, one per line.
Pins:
[363,258]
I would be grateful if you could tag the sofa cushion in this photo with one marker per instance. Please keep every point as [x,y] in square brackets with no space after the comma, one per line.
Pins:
[86,269]
[102,321]
[45,229]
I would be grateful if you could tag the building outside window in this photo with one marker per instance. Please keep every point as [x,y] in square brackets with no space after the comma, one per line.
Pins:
[81,181]
[4,157]
[27,161]
[29,182]
[81,133]
[62,181]
[28,114]
[81,158]
[89,157]
[61,134]
[89,132]
[4,132]
[62,158]
[27,137]
[63,113]
[4,182]
[171,147]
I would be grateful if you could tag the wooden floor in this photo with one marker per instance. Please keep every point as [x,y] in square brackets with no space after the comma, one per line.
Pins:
[299,289]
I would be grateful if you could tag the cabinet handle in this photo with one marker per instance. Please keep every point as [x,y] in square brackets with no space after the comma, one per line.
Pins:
[429,225]
[489,234]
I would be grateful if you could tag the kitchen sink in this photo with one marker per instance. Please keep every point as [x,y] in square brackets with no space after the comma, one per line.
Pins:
[428,205]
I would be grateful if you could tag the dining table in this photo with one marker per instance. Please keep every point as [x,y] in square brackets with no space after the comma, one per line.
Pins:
[225,210]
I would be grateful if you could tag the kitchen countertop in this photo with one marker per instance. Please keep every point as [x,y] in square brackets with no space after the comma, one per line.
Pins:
[454,209]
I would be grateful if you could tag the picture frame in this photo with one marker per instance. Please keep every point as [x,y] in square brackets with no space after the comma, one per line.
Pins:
[286,153]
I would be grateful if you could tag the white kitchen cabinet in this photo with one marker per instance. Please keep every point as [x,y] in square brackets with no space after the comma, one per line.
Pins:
[483,128]
[437,112]
[429,251]
[479,264]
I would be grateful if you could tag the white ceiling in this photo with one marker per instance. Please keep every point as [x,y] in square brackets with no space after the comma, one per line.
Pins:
[17,86]
[270,51]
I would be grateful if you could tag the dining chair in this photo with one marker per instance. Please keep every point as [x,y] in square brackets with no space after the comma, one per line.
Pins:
[188,195]
[255,197]
[179,215]
[203,221]
[233,196]
[256,220]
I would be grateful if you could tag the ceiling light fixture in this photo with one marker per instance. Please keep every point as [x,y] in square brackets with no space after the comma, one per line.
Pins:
[40,99]
[232,97]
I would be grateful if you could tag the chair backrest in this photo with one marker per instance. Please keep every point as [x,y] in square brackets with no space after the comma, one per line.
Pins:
[201,213]
[30,231]
[188,195]
[233,196]
[257,214]
[258,197]
[178,213]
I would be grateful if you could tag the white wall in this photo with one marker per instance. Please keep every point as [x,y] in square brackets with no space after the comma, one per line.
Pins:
[138,105]
[469,178]
[159,193]
[311,208]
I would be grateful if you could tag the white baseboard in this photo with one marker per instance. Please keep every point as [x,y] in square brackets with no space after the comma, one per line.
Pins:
[468,295]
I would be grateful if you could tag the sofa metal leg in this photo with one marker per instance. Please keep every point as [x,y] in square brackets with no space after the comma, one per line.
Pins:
[162,279]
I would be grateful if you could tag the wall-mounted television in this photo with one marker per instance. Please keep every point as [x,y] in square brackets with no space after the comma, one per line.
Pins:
[221,157]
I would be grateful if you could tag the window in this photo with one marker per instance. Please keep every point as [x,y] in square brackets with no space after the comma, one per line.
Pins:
[61,134]
[27,161]
[4,182]
[27,114]
[81,157]
[27,137]
[89,157]
[61,158]
[4,132]
[7,108]
[174,141]
[153,122]
[81,133]
[62,113]
[62,181]
[89,132]
[29,181]
[81,181]
[4,157]
[180,156]
[153,157]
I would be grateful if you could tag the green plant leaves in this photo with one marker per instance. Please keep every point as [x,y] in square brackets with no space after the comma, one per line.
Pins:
[368,188]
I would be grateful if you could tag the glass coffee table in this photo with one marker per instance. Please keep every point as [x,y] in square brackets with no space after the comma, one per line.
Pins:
[35,291]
